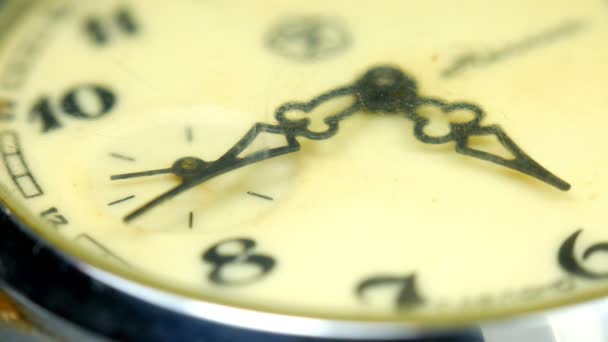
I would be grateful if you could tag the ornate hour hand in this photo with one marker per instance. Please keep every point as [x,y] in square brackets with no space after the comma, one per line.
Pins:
[201,171]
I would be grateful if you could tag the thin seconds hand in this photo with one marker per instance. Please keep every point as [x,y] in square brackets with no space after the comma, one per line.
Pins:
[181,167]
[141,174]
[162,198]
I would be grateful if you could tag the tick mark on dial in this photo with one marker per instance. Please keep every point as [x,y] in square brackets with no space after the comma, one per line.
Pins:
[190,220]
[121,157]
[121,200]
[189,135]
[101,247]
[255,194]
[14,161]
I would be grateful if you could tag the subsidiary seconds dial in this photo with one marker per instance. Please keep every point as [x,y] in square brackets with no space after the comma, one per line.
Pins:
[241,197]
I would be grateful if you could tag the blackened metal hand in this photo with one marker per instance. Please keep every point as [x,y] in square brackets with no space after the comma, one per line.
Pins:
[231,160]
[389,90]
[381,90]
[181,167]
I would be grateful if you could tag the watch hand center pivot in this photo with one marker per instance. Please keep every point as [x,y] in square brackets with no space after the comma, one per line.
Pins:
[188,166]
[386,89]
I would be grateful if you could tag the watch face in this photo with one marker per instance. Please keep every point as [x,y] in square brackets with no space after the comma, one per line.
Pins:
[431,163]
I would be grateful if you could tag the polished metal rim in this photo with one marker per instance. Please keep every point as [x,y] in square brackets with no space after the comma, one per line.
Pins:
[49,284]
[45,279]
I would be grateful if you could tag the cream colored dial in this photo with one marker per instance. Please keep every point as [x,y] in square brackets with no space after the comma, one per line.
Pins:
[424,161]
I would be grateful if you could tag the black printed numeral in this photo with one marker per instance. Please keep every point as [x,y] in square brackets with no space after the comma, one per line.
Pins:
[407,292]
[235,262]
[53,217]
[100,30]
[567,258]
[85,102]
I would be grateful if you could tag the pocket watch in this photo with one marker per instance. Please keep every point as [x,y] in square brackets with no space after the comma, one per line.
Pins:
[202,170]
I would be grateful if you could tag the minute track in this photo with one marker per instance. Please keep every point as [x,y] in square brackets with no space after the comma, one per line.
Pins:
[383,89]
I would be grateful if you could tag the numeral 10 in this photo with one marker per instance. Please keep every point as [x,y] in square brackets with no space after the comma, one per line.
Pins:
[85,103]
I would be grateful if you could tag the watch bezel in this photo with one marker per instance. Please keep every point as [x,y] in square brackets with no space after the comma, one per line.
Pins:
[52,282]
[51,286]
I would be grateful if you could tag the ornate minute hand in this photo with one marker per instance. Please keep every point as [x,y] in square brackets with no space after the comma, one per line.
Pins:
[389,90]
